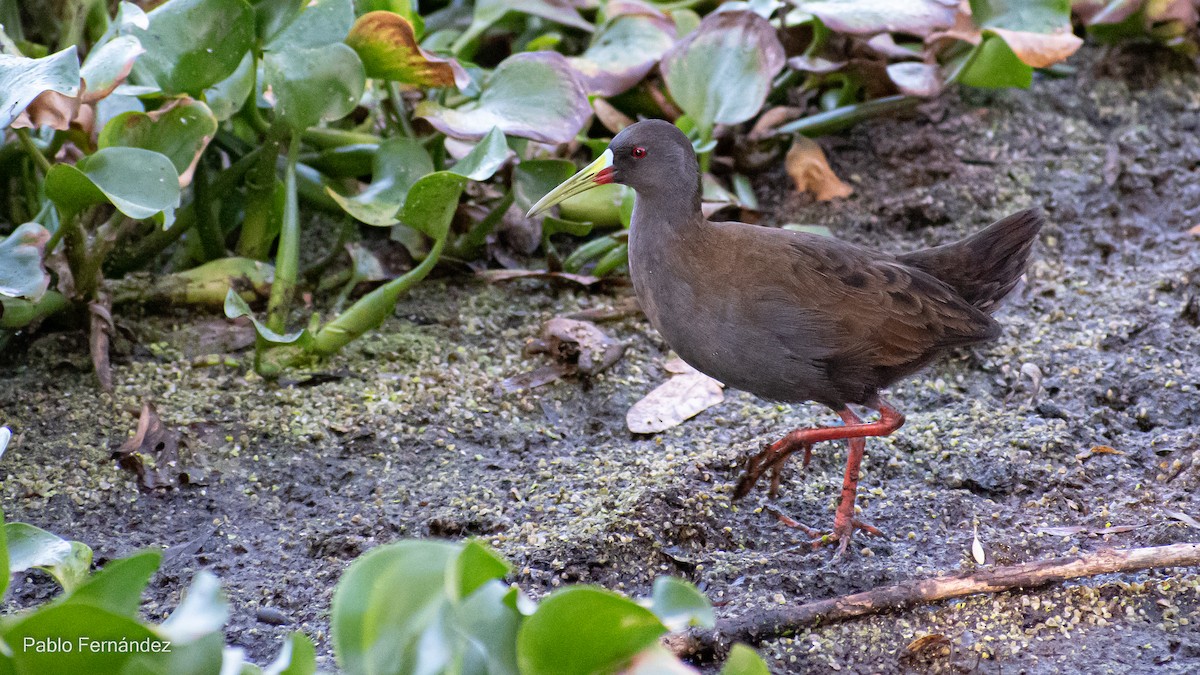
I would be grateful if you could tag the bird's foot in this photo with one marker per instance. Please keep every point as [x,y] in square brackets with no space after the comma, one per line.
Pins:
[841,535]
[770,461]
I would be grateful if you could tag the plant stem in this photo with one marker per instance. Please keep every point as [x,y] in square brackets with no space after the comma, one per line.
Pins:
[212,239]
[401,109]
[846,116]
[287,258]
[259,224]
[373,308]
[34,153]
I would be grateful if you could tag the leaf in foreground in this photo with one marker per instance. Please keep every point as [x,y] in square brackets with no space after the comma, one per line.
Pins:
[584,630]
[22,274]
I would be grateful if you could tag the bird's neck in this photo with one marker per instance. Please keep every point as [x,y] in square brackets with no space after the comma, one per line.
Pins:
[664,215]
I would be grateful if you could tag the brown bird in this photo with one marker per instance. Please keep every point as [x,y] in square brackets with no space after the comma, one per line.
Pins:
[791,316]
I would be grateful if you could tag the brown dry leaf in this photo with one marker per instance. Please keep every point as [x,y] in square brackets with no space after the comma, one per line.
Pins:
[1194,230]
[577,343]
[1184,518]
[1041,49]
[935,643]
[1116,529]
[773,117]
[50,109]
[388,47]
[614,120]
[687,394]
[1061,531]
[154,440]
[807,166]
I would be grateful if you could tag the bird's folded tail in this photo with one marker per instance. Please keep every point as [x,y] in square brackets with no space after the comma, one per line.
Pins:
[986,266]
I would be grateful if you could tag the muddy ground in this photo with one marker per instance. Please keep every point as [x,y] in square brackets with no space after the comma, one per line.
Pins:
[409,438]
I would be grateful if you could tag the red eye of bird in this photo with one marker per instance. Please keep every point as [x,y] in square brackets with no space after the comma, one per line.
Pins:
[638,152]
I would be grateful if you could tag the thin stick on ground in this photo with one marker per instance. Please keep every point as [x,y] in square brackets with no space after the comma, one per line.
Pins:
[760,626]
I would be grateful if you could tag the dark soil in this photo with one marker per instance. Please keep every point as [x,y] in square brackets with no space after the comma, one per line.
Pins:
[409,439]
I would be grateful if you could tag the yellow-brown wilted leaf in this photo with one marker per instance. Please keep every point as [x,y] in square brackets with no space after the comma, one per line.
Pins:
[682,397]
[1040,49]
[388,47]
[807,166]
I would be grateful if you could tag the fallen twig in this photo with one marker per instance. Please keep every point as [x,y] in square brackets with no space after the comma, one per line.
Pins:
[759,626]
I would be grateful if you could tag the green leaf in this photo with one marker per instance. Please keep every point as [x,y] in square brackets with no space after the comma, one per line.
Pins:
[386,603]
[108,65]
[193,44]
[31,547]
[722,73]
[229,95]
[993,64]
[584,630]
[431,203]
[140,183]
[600,206]
[488,12]
[485,158]
[5,568]
[533,179]
[314,84]
[85,628]
[625,50]
[872,17]
[744,661]
[297,657]
[475,566]
[387,44]
[320,23]
[530,95]
[22,274]
[487,625]
[119,586]
[680,604]
[202,612]
[1034,16]
[236,307]
[397,165]
[22,80]
[181,132]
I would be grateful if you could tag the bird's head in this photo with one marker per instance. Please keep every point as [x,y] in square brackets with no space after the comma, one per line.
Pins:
[653,157]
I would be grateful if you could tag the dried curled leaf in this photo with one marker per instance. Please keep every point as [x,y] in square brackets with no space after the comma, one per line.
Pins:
[807,166]
[687,394]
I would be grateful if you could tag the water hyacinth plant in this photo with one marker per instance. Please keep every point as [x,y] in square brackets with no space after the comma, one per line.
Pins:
[212,140]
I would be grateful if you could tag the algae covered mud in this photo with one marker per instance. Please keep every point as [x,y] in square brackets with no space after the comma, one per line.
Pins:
[1079,428]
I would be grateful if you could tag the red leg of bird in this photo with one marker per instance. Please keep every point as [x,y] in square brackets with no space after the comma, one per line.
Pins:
[856,431]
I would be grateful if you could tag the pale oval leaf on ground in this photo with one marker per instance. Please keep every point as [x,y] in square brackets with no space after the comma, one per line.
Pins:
[687,394]
[915,79]
[807,166]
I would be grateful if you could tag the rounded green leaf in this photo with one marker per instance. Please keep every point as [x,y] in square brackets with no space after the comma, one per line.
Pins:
[485,158]
[680,604]
[298,656]
[314,84]
[229,95]
[1034,16]
[584,630]
[624,51]
[398,164]
[321,23]
[140,183]
[475,566]
[32,547]
[993,64]
[532,95]
[431,203]
[744,661]
[108,65]
[872,17]
[722,73]
[86,629]
[193,44]
[23,79]
[181,132]
[21,272]
[488,12]
[385,602]
[118,587]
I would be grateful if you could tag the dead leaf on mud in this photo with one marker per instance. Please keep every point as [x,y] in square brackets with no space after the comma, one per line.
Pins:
[1184,518]
[807,166]
[625,307]
[926,648]
[1080,529]
[1098,450]
[577,347]
[687,394]
[155,442]
[1041,49]
[1195,230]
